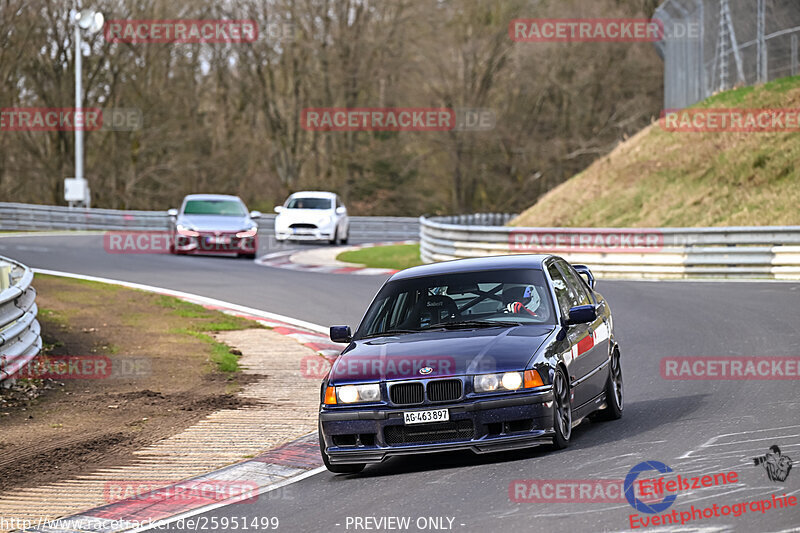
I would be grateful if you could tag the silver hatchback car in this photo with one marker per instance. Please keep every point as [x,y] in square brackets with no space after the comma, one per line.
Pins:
[213,224]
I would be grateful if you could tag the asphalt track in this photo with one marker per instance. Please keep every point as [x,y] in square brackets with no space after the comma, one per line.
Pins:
[695,427]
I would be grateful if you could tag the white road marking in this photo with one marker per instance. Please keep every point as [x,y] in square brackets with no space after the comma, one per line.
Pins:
[25,248]
[193,297]
[711,442]
[65,233]
[161,523]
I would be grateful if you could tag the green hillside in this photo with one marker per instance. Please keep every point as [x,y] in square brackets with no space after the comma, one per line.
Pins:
[660,178]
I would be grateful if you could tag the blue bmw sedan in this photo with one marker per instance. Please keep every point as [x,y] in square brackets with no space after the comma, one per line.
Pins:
[485,354]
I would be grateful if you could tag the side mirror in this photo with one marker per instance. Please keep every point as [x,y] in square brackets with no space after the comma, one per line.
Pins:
[278,208]
[255,214]
[581,314]
[341,334]
[173,213]
[341,211]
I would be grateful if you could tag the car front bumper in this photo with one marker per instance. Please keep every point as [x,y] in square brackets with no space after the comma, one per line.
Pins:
[206,244]
[320,232]
[497,424]
[304,234]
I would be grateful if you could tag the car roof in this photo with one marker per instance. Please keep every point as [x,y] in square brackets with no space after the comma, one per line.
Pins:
[211,197]
[498,262]
[318,194]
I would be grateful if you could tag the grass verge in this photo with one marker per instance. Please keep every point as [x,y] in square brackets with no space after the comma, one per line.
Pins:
[395,256]
[663,178]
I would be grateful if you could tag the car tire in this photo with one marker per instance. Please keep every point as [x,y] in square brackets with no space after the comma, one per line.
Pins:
[346,238]
[562,411]
[248,256]
[172,245]
[335,236]
[337,469]
[614,395]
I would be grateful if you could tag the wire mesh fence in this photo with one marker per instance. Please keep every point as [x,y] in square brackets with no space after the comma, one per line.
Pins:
[715,45]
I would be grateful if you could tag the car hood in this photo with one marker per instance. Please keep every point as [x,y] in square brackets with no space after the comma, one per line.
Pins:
[215,222]
[446,353]
[290,216]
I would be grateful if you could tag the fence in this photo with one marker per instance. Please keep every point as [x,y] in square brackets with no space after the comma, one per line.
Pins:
[15,216]
[20,339]
[714,45]
[771,252]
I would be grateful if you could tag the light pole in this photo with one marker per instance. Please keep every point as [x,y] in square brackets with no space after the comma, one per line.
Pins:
[76,190]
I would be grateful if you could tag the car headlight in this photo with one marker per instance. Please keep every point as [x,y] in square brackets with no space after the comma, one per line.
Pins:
[248,232]
[185,231]
[353,394]
[507,381]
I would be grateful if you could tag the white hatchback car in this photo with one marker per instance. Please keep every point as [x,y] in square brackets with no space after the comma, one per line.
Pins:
[312,216]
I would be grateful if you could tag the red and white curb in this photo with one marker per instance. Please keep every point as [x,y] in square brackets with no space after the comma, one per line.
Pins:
[283,260]
[281,466]
[270,471]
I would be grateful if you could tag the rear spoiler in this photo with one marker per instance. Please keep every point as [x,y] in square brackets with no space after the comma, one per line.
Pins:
[587,275]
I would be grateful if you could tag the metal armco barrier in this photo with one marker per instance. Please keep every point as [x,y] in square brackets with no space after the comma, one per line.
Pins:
[15,216]
[43,217]
[20,334]
[771,252]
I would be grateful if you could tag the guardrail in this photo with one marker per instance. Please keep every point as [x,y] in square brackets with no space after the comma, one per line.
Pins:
[14,216]
[20,334]
[771,252]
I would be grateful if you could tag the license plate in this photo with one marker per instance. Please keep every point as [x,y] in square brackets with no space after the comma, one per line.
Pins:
[219,240]
[424,417]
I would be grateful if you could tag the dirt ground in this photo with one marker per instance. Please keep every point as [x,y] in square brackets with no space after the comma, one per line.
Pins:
[163,381]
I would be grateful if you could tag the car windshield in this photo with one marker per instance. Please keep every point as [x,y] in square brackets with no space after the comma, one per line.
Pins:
[462,300]
[309,203]
[230,208]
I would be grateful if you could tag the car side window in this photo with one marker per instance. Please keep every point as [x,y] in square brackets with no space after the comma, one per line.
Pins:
[400,310]
[562,291]
[580,294]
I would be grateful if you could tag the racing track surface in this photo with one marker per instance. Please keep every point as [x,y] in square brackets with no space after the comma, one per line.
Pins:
[695,427]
